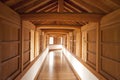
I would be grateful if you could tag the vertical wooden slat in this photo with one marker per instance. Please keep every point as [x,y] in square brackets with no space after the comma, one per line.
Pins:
[97,47]
[0,63]
[22,46]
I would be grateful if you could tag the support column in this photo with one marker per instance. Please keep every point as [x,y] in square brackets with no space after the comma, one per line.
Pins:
[78,49]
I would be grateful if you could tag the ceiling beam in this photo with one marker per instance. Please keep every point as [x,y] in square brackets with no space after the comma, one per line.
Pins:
[58,27]
[60,5]
[62,17]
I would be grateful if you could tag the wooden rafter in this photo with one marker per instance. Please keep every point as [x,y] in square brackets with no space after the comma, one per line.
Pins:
[99,5]
[23,3]
[86,6]
[54,10]
[47,7]
[72,7]
[60,5]
[50,9]
[62,17]
[67,9]
[32,6]
[76,6]
[116,2]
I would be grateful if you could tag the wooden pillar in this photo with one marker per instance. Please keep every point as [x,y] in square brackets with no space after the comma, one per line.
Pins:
[37,46]
[68,41]
[44,41]
[0,62]
[32,52]
[22,47]
[98,48]
[77,42]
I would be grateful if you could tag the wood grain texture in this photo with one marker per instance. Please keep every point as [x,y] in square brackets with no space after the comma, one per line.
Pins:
[56,68]
[110,46]
[9,43]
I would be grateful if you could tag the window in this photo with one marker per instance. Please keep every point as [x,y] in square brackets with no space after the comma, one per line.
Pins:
[51,40]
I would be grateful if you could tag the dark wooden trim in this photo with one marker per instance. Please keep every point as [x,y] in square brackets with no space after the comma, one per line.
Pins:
[0,63]
[14,74]
[91,64]
[7,42]
[109,77]
[5,61]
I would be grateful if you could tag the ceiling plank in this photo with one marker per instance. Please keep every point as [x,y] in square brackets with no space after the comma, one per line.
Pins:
[116,2]
[62,17]
[48,4]
[87,7]
[67,9]
[76,6]
[22,4]
[36,5]
[73,8]
[50,9]
[99,4]
[60,5]
[32,6]
[46,7]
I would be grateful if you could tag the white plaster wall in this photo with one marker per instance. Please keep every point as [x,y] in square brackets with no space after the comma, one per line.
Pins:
[82,71]
[31,73]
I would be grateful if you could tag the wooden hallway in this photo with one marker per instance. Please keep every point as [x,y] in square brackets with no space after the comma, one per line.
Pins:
[56,67]
[87,31]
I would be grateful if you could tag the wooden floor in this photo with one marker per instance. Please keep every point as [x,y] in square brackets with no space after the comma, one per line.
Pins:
[56,67]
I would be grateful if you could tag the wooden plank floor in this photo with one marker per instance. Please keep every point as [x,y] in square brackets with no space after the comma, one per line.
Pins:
[56,67]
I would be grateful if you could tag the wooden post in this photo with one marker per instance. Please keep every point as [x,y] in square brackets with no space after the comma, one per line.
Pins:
[78,42]
[98,48]
[60,5]
[22,46]
[0,62]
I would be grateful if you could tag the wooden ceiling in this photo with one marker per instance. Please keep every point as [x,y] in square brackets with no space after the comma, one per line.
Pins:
[84,7]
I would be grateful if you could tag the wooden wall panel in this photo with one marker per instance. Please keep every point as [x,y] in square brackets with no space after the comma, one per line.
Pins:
[113,69]
[106,49]
[7,32]
[10,50]
[27,55]
[91,35]
[91,47]
[26,46]
[111,34]
[9,68]
[89,44]
[26,34]
[110,46]
[9,43]
[91,59]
